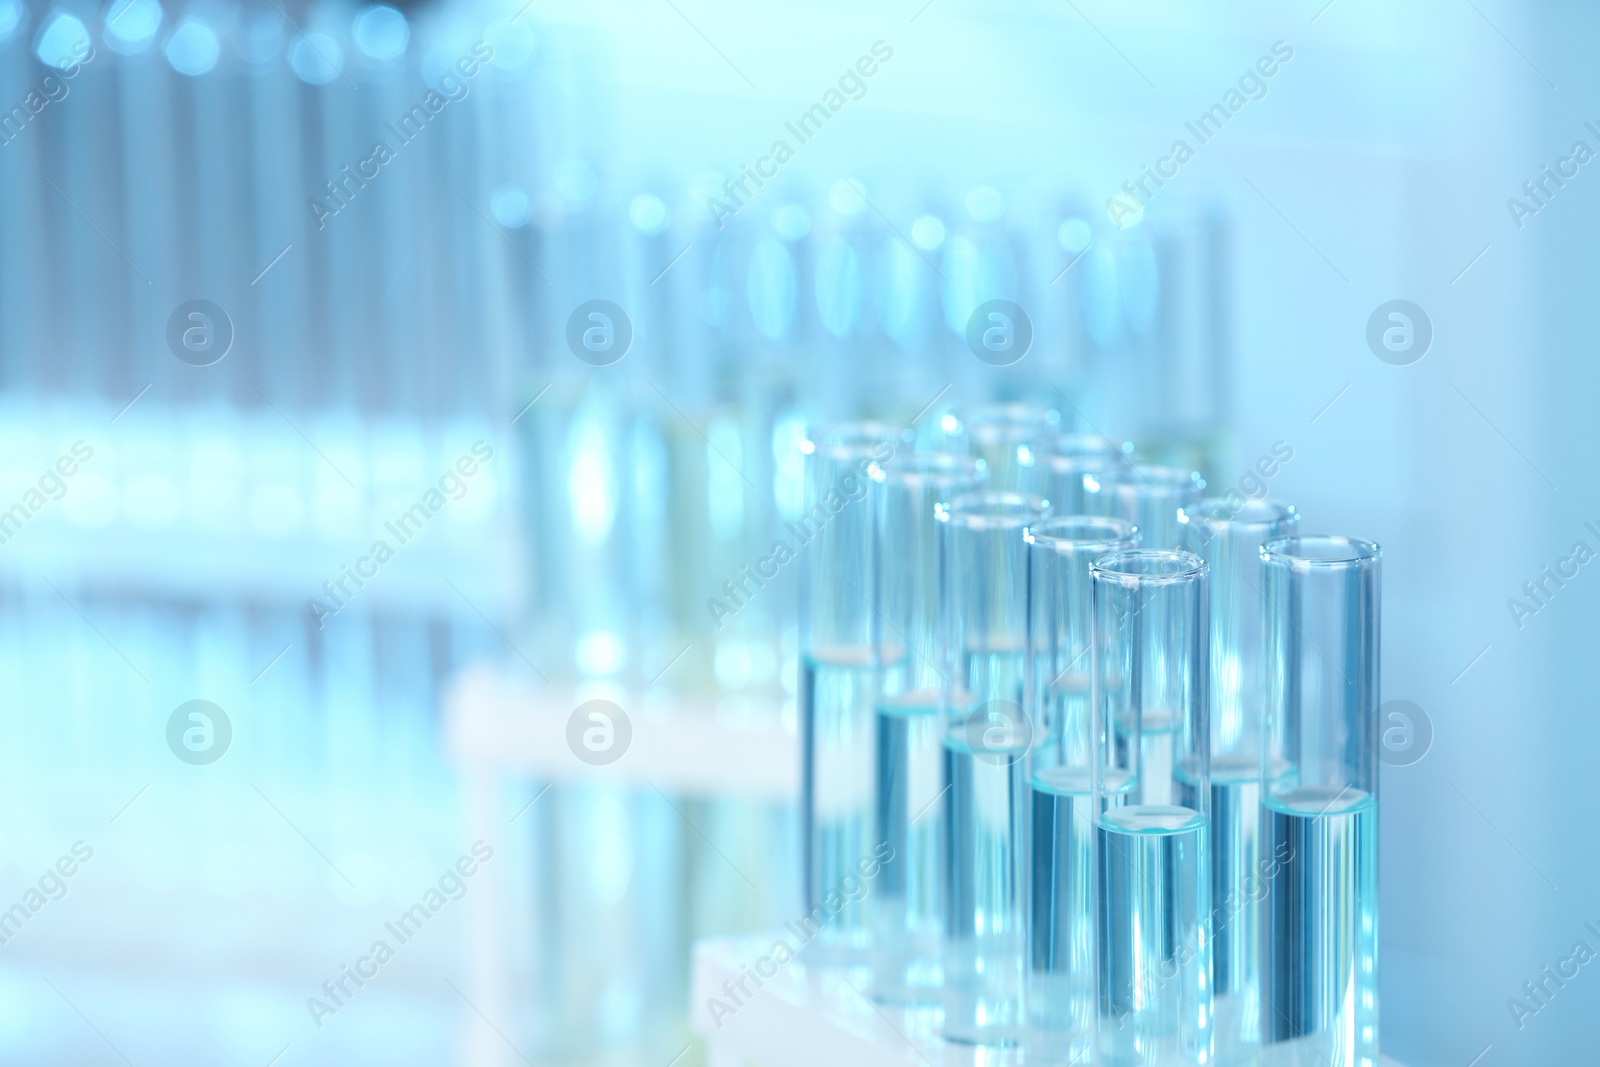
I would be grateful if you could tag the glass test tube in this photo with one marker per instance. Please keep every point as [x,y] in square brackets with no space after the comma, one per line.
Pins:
[1158,500]
[905,902]
[1319,970]
[985,749]
[839,659]
[1153,881]
[1070,463]
[1007,438]
[1229,537]
[1062,818]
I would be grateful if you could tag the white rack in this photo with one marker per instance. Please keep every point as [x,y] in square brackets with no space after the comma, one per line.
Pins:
[501,726]
[804,1016]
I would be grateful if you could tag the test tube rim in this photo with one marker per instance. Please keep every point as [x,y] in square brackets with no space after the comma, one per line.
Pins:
[1028,422]
[846,439]
[1082,446]
[1124,534]
[1086,464]
[1280,512]
[1283,552]
[977,511]
[1157,476]
[1113,567]
[933,468]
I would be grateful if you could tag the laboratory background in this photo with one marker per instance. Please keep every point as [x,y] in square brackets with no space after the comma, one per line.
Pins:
[393,395]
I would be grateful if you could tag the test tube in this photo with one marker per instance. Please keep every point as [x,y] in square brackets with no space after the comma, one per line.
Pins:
[1061,964]
[1153,872]
[985,748]
[906,899]
[1007,438]
[1320,810]
[1059,610]
[1158,500]
[1229,535]
[1070,463]
[839,661]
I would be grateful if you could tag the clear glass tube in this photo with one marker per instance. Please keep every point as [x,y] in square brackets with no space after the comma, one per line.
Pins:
[1087,445]
[840,653]
[906,899]
[1320,812]
[1070,463]
[1229,536]
[1152,861]
[1158,500]
[1007,437]
[1060,991]
[1060,611]
[985,748]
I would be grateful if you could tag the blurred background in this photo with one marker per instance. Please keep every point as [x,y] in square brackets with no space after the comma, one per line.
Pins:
[307,412]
